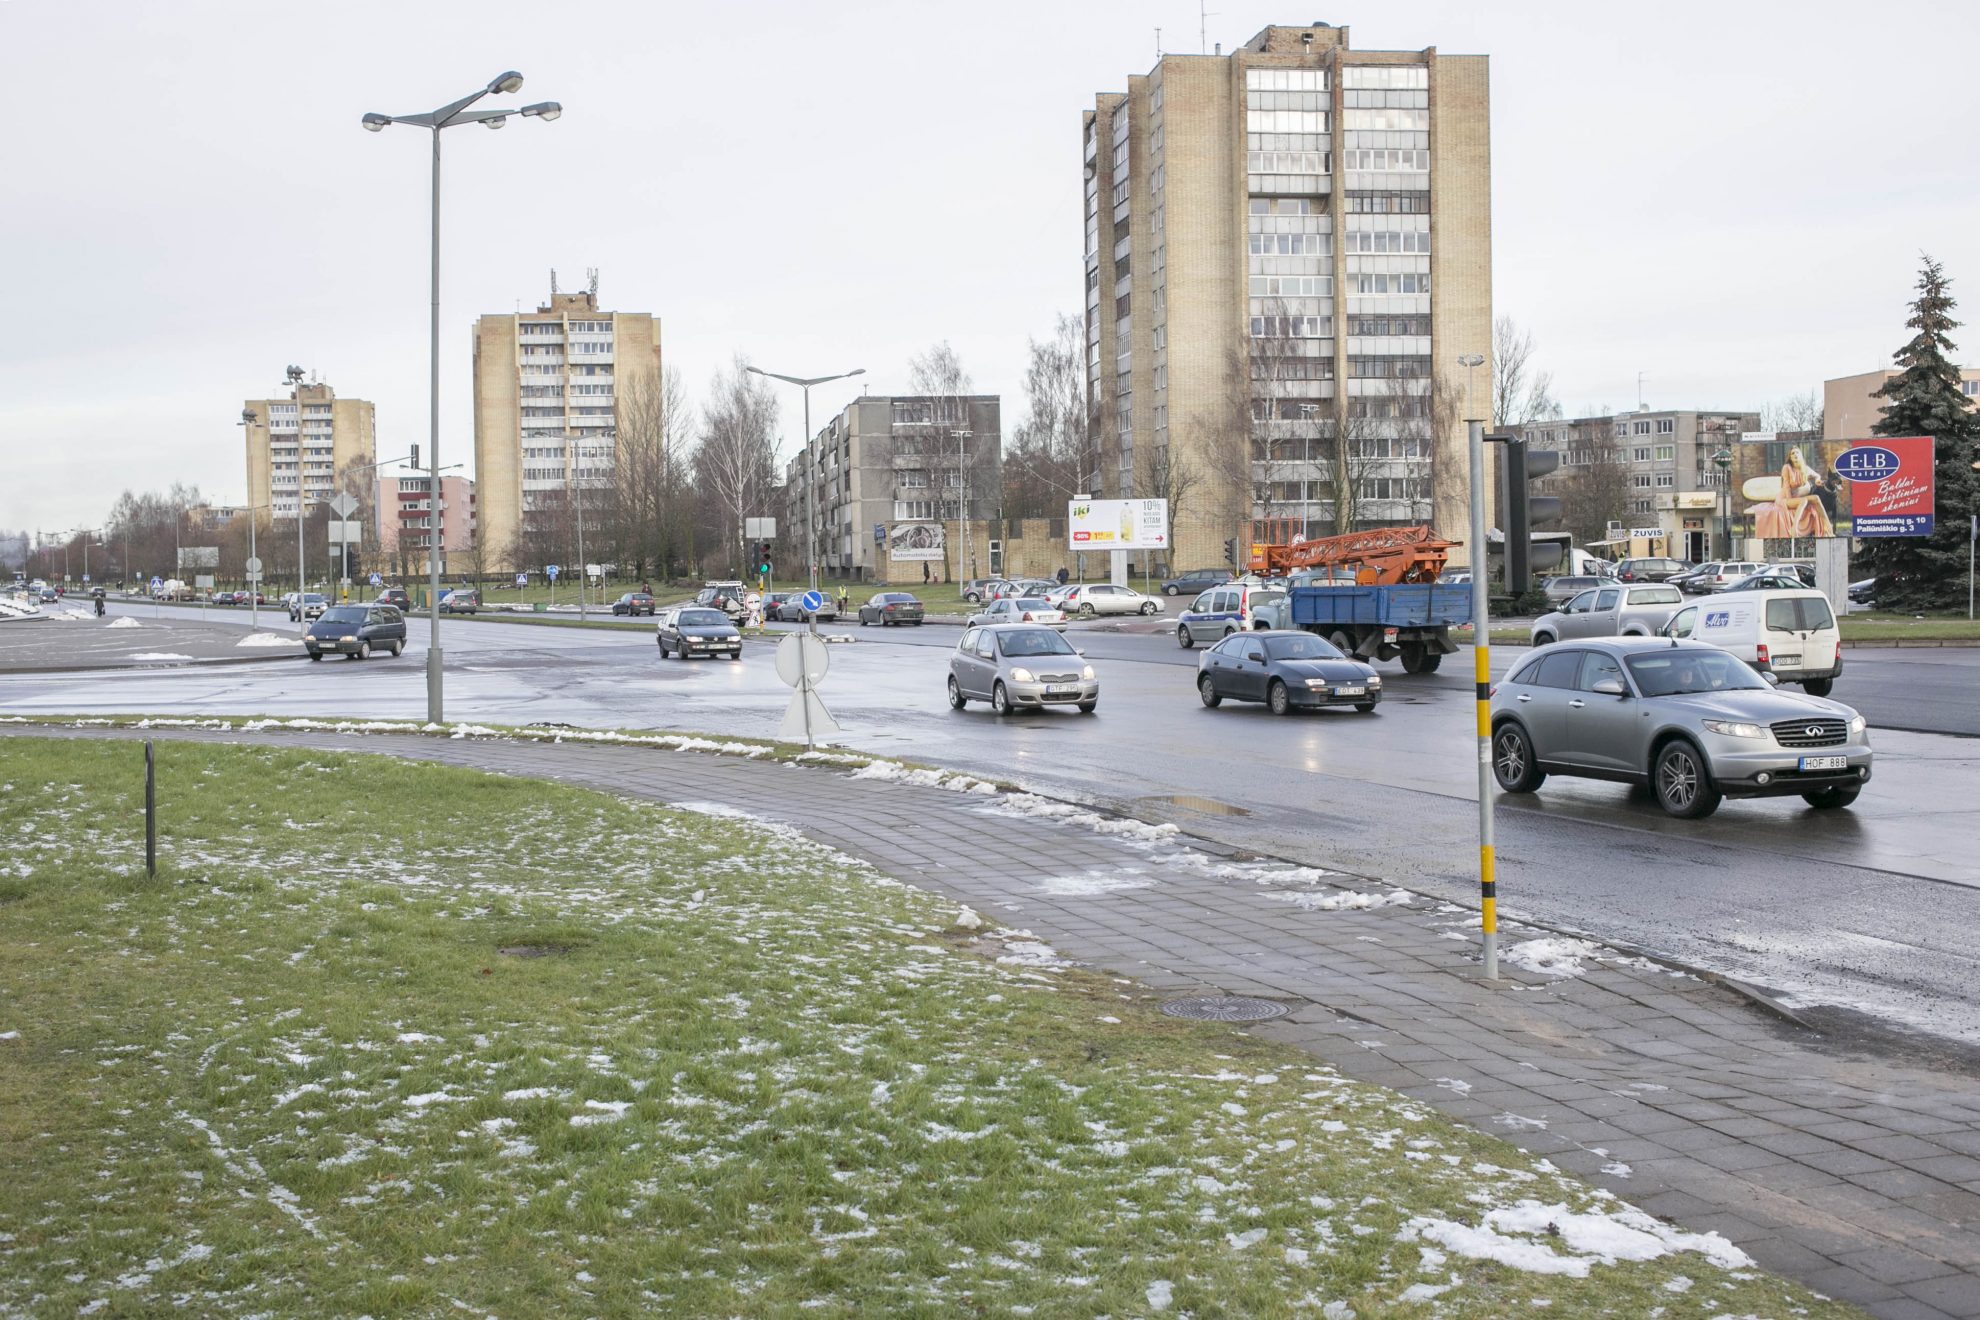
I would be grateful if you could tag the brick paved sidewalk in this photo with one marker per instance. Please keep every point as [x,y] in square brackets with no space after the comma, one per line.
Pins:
[1855,1175]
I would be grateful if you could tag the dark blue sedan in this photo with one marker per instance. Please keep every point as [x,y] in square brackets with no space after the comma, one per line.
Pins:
[1287,670]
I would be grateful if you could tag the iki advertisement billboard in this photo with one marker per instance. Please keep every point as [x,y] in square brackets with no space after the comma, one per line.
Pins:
[1117,524]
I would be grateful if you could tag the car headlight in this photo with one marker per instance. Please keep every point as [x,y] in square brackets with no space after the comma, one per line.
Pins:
[1857,724]
[1087,673]
[1022,676]
[347,639]
[1735,729]
[1374,680]
[1317,684]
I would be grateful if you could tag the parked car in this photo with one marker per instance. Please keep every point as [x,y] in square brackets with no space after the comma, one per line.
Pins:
[1795,568]
[1287,671]
[633,604]
[1023,587]
[227,597]
[1224,610]
[1194,581]
[1648,570]
[396,597]
[1767,579]
[1722,575]
[307,605]
[1788,632]
[1019,609]
[1089,600]
[891,607]
[1687,581]
[1560,590]
[691,630]
[1019,666]
[461,602]
[356,631]
[1863,591]
[1454,577]
[1691,722]
[977,590]
[1615,611]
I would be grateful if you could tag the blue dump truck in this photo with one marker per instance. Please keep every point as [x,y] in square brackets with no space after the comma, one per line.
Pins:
[1381,623]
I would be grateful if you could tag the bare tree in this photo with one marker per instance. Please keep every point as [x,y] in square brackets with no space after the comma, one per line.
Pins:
[1169,476]
[939,374]
[1052,457]
[735,462]
[1799,413]
[1593,482]
[1521,391]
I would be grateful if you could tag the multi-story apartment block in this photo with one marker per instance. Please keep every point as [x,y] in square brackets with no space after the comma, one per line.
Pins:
[1287,250]
[897,482]
[552,391]
[405,519]
[1664,473]
[308,445]
[1851,410]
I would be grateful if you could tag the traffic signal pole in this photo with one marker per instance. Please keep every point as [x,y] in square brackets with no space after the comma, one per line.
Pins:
[1481,650]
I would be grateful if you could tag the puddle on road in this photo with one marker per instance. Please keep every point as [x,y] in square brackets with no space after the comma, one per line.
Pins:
[1202,805]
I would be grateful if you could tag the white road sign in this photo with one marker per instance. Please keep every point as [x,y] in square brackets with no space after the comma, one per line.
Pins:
[343,505]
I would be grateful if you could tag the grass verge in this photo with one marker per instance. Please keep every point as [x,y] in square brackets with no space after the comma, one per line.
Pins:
[712,1070]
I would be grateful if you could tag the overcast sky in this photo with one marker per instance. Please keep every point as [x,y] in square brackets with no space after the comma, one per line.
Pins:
[1729,197]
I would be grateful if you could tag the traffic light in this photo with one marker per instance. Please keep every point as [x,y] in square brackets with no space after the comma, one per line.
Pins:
[762,552]
[1230,551]
[1527,513]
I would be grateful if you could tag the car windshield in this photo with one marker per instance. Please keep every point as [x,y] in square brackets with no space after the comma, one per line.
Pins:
[1034,641]
[702,619]
[312,599]
[1034,603]
[1680,670]
[1301,646]
[343,614]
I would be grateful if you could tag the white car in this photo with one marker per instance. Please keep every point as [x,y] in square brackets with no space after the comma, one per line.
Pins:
[1018,609]
[1088,600]
[1790,633]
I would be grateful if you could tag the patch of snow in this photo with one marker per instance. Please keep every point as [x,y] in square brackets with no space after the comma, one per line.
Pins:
[269,640]
[1347,900]
[527,1093]
[1617,1169]
[124,621]
[602,1111]
[1031,953]
[159,655]
[1160,1294]
[1251,1237]
[967,919]
[1520,1236]
[1093,882]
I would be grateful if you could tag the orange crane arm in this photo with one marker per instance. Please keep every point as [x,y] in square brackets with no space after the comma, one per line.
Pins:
[1380,556]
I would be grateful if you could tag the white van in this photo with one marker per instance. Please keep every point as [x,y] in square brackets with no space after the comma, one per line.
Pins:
[1790,633]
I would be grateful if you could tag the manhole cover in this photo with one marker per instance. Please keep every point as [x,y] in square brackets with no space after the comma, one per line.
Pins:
[1224,1008]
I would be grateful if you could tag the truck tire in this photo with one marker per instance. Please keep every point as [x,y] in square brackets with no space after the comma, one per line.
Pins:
[1342,643]
[1412,657]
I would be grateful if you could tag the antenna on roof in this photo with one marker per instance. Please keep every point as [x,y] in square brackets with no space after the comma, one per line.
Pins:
[553,281]
[591,272]
[1203,16]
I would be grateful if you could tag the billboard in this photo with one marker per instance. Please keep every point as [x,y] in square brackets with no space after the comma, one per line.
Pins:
[1893,485]
[1117,524]
[922,540]
[1787,486]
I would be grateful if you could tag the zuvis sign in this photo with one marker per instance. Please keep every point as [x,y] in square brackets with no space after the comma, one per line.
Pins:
[1117,524]
[1892,485]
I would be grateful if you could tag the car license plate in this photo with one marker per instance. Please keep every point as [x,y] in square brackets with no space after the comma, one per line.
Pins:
[1825,763]
[1787,662]
[1061,689]
[1350,691]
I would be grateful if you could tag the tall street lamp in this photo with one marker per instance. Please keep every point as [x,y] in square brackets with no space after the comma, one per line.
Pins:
[447,116]
[1723,460]
[811,465]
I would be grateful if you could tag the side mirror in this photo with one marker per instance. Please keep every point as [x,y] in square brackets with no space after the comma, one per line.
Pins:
[1079,653]
[1772,679]
[1609,687]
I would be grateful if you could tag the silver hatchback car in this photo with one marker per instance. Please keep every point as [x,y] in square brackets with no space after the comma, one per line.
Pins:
[1017,665]
[1694,723]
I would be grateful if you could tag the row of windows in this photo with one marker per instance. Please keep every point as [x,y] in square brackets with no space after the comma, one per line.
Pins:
[591,327]
[1286,80]
[1286,368]
[1286,206]
[1291,265]
[1383,368]
[1294,286]
[592,346]
[1289,162]
[1663,481]
[1383,241]
[1364,137]
[1387,117]
[1380,326]
[1665,426]
[1403,159]
[1376,203]
[923,510]
[1285,121]
[1285,100]
[1285,141]
[1385,76]
[1405,282]
[1292,245]
[1292,327]
[1290,306]
[1289,224]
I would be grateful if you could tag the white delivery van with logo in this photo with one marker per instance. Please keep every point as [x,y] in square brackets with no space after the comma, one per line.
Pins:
[1791,634]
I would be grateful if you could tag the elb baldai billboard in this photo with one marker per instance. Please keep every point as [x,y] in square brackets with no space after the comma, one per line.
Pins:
[1891,483]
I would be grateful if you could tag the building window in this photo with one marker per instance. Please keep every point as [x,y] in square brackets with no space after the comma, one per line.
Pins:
[1667,453]
[1643,428]
[914,478]
[1666,480]
[909,510]
[1666,426]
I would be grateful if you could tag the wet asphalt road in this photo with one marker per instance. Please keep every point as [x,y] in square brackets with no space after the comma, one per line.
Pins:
[1875,909]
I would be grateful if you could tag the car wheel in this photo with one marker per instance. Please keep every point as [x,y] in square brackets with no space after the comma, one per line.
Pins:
[1818,687]
[1000,700]
[682,653]
[316,655]
[1831,799]
[1207,689]
[1683,783]
[1088,707]
[398,649]
[1514,764]
[1365,707]
[364,651]
[956,697]
[735,655]
[1278,698]
[1147,607]
[1543,639]
[1229,628]
[1172,591]
[663,647]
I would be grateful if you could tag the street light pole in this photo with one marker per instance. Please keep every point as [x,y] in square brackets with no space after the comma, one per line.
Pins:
[1306,411]
[447,116]
[1723,459]
[811,475]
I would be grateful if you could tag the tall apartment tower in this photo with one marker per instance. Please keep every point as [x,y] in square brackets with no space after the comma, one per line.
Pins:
[1288,246]
[309,443]
[553,389]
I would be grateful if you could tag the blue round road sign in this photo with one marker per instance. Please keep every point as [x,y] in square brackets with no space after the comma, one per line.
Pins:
[811,602]
[552,570]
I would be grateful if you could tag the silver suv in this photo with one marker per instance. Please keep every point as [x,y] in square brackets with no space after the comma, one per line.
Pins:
[1623,610]
[1694,723]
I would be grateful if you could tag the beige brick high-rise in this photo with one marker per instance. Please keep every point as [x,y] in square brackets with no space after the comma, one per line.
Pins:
[309,442]
[552,393]
[1287,247]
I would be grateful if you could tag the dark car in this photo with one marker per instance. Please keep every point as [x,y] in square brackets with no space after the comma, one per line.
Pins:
[356,631]
[697,630]
[891,607]
[633,603]
[460,602]
[1648,570]
[1195,580]
[396,597]
[97,592]
[1285,670]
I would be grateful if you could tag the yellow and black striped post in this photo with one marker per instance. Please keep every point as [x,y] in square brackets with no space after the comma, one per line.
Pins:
[1481,649]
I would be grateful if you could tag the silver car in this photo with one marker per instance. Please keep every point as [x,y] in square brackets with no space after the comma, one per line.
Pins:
[1019,609]
[1560,590]
[1088,599]
[1018,665]
[1693,723]
[1622,610]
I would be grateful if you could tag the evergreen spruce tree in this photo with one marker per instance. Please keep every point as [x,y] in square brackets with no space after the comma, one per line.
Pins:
[1929,572]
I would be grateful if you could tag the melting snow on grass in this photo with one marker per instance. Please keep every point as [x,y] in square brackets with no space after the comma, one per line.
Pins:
[1522,1236]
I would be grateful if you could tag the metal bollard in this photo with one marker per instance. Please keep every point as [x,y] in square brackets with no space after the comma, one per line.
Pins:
[150,815]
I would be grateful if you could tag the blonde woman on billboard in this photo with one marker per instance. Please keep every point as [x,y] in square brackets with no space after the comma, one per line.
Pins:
[1794,510]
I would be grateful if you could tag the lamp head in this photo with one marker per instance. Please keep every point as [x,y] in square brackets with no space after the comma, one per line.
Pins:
[544,110]
[506,83]
[249,417]
[496,122]
[375,123]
